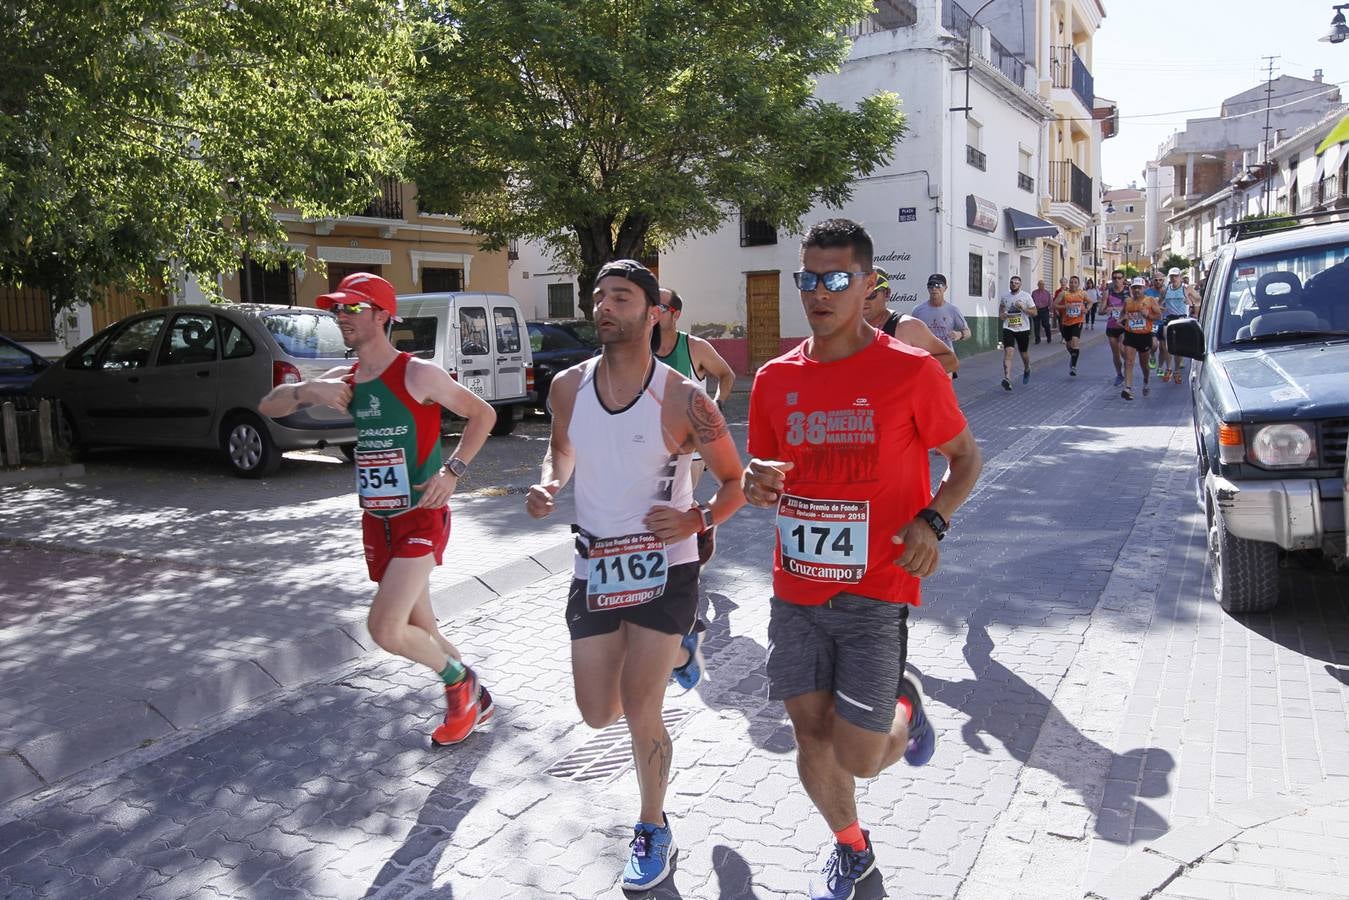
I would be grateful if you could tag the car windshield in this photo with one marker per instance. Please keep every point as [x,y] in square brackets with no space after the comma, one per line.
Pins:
[308,335]
[584,331]
[1290,296]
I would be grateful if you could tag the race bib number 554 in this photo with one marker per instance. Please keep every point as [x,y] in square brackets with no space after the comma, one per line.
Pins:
[823,540]
[382,480]
[625,571]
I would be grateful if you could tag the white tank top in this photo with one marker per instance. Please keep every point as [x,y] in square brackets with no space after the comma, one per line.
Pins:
[623,467]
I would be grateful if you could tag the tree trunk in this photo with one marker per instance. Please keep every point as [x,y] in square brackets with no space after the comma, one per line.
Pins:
[596,239]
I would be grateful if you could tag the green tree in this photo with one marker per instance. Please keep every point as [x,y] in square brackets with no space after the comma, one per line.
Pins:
[136,135]
[605,129]
[1258,224]
[1175,261]
[1130,270]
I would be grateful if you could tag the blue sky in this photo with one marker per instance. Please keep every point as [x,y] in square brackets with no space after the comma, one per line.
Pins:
[1158,56]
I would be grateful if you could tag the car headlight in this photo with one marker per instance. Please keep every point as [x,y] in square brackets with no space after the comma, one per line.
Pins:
[1283,446]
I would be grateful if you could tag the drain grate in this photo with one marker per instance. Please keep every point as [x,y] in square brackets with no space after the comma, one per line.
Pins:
[609,753]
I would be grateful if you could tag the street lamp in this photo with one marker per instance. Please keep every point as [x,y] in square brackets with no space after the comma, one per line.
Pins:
[1339,30]
[969,39]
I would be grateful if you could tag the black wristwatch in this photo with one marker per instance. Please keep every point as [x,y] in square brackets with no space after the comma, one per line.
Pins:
[457,467]
[705,512]
[934,520]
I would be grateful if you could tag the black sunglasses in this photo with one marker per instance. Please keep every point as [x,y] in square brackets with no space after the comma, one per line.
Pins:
[834,282]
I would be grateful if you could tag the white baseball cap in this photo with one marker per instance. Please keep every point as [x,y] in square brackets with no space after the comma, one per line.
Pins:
[1174,271]
[1140,281]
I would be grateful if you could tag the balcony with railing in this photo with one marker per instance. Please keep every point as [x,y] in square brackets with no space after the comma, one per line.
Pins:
[976,157]
[389,203]
[955,19]
[889,15]
[1069,72]
[1025,182]
[1329,190]
[1069,184]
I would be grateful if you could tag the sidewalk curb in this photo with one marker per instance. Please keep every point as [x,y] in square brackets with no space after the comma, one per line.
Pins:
[1147,872]
[49,757]
[10,477]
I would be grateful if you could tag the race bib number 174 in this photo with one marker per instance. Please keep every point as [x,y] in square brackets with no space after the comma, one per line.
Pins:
[823,540]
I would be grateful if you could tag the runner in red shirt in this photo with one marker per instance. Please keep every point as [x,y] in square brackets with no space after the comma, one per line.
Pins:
[840,430]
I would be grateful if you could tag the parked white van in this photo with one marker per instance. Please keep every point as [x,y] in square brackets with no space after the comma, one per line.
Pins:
[478,338]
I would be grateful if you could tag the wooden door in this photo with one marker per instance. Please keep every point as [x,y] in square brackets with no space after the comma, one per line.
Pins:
[763,321]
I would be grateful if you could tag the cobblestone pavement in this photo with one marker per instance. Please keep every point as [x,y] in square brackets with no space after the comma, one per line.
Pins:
[1090,698]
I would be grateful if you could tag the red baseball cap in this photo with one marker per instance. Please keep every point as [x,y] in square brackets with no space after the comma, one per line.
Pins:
[363,287]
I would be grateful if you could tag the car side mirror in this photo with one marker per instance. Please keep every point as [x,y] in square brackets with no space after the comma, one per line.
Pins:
[1184,337]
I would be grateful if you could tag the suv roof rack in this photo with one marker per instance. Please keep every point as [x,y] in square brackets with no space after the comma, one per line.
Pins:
[1249,228]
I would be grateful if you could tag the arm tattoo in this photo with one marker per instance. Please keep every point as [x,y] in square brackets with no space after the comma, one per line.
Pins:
[708,423]
[300,405]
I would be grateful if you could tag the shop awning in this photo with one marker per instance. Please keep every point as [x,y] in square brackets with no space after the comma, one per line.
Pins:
[1025,226]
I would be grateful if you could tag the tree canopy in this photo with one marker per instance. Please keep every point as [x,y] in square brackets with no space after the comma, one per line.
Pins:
[605,128]
[1176,261]
[139,134]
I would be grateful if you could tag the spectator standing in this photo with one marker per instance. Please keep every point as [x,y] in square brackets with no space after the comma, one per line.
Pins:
[1042,300]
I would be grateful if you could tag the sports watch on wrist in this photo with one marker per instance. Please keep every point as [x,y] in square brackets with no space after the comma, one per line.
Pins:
[935,521]
[457,467]
[705,513]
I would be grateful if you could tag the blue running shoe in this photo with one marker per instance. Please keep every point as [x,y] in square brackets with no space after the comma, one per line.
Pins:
[690,673]
[845,867]
[1025,377]
[922,736]
[1119,379]
[653,850]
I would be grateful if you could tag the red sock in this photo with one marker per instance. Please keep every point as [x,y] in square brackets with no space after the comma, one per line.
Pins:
[852,836]
[908,708]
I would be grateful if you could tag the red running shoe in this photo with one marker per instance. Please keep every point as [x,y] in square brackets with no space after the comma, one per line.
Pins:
[464,708]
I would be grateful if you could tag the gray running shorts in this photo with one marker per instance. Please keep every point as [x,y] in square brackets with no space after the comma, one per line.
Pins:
[851,646]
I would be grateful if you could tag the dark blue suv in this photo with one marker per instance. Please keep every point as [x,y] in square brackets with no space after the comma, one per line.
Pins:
[1271,405]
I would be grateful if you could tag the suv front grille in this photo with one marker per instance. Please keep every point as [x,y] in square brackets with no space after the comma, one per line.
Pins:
[1334,441]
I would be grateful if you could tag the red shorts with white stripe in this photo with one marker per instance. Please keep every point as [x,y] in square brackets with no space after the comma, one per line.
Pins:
[415,533]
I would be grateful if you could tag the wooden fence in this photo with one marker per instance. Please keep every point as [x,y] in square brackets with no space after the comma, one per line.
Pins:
[30,432]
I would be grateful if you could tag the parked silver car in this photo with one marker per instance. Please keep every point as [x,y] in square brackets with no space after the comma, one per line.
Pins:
[192,376]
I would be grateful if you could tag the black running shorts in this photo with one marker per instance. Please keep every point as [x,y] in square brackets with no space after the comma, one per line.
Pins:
[1140,342]
[673,612]
[1071,331]
[1020,338]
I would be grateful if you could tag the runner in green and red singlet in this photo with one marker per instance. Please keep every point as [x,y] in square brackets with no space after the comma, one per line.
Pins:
[395,400]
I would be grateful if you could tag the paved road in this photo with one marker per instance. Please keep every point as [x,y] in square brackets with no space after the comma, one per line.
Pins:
[1091,699]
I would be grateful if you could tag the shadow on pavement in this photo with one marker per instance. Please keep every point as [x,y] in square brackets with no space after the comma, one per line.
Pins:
[1001,704]
[1312,617]
[443,810]
[738,679]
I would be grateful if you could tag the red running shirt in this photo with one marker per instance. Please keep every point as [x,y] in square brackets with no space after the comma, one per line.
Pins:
[857,429]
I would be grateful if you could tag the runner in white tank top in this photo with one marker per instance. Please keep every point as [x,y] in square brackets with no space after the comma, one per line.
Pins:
[626,426]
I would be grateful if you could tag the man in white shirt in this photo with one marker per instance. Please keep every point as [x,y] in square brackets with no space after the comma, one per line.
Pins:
[1015,309]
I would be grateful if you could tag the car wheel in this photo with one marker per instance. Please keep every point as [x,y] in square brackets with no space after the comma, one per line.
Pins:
[68,437]
[1245,573]
[249,447]
[348,451]
[505,421]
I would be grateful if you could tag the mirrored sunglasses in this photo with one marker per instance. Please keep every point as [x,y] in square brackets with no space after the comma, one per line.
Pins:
[351,309]
[834,282]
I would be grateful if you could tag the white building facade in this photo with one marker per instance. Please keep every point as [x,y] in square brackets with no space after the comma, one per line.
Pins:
[946,203]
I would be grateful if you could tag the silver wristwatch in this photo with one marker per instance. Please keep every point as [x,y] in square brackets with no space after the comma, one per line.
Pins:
[457,467]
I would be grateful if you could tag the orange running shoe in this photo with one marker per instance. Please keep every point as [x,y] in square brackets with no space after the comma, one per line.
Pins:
[464,708]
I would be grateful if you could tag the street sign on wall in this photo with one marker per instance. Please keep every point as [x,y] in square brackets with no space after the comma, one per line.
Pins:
[908,214]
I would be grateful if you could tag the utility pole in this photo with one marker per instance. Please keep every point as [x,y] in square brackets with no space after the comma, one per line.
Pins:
[1264,163]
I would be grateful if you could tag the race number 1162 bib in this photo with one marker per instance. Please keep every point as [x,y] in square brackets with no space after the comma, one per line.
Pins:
[625,571]
[823,540]
[382,480]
